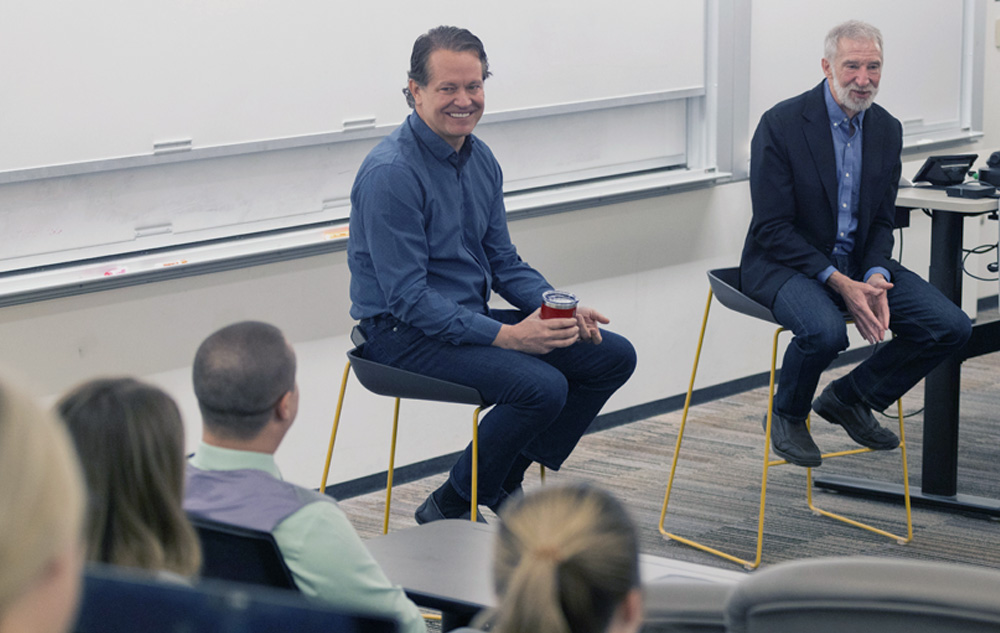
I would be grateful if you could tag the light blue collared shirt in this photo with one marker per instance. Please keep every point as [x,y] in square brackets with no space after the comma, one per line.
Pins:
[848,134]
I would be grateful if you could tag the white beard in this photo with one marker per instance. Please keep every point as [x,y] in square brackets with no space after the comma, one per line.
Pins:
[847,99]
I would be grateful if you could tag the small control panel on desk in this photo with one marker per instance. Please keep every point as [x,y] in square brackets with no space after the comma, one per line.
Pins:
[972,190]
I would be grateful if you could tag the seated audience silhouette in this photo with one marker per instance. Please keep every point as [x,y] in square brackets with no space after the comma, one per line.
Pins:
[566,561]
[41,514]
[130,439]
[244,379]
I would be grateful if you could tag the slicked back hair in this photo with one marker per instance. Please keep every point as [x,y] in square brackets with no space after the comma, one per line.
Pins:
[449,38]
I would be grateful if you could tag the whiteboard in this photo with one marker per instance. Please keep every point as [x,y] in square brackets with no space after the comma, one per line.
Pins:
[133,126]
[256,104]
[923,49]
[104,79]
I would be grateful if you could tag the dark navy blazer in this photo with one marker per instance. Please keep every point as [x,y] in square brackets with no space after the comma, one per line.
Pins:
[793,186]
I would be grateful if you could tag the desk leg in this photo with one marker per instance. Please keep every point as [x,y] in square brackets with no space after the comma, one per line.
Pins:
[942,386]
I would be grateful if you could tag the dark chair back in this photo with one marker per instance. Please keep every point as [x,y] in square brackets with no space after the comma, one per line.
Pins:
[725,284]
[239,554]
[117,601]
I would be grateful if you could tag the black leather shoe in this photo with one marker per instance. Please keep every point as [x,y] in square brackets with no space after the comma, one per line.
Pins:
[791,441]
[429,511]
[506,496]
[856,419]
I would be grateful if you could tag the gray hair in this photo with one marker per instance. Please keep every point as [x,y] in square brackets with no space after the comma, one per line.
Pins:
[851,30]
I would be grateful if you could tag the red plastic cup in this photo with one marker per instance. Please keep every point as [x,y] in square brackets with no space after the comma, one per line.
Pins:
[558,304]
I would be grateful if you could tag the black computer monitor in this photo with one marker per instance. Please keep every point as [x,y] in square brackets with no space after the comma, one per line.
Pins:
[944,171]
[115,601]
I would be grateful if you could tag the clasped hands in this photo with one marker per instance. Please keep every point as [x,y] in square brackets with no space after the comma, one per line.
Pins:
[868,303]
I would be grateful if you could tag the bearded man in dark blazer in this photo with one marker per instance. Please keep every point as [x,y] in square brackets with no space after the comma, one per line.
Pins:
[824,171]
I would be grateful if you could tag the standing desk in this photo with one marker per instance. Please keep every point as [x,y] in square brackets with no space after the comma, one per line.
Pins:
[942,387]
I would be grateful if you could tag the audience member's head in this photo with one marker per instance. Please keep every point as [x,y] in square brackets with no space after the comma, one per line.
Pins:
[41,514]
[130,439]
[567,561]
[244,379]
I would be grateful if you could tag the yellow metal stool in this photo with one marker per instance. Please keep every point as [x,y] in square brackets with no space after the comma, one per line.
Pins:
[723,286]
[398,383]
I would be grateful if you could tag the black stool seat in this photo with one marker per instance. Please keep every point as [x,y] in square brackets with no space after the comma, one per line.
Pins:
[394,382]
[725,283]
[400,384]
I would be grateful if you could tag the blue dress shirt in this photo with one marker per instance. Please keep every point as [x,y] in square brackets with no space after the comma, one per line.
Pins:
[428,237]
[848,134]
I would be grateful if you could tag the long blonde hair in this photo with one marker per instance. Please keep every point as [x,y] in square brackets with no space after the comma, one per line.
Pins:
[566,557]
[41,493]
[131,442]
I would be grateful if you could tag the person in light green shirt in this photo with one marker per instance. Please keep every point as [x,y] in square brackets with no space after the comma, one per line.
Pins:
[244,379]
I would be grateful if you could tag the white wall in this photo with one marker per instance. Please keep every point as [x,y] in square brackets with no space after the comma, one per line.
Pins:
[988,232]
[643,263]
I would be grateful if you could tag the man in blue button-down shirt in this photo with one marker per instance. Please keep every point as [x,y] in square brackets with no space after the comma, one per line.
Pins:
[824,171]
[429,245]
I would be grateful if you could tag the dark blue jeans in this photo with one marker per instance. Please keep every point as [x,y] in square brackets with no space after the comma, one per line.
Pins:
[543,404]
[927,327]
